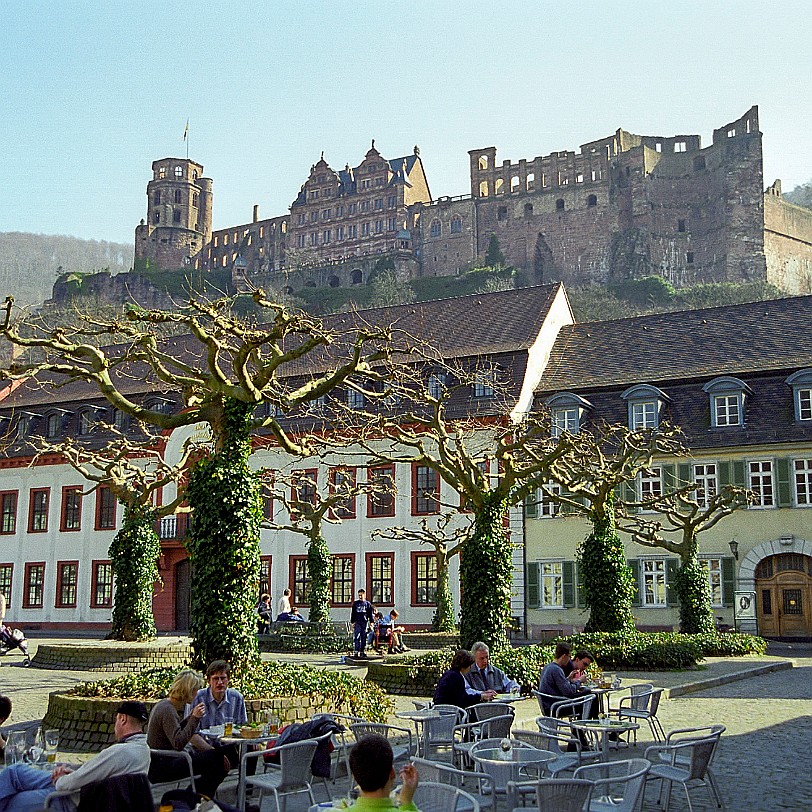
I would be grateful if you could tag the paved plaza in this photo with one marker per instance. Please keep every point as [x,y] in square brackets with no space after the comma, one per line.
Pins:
[762,763]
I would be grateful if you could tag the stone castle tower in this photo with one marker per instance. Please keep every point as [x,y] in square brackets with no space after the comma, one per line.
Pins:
[178,224]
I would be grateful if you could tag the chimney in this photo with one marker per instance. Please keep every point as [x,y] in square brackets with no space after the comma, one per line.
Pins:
[256,212]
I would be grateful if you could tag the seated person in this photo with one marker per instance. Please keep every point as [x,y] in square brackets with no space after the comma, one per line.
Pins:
[554,683]
[452,689]
[5,712]
[486,677]
[221,703]
[167,730]
[575,670]
[374,632]
[264,614]
[292,616]
[372,767]
[24,788]
[395,632]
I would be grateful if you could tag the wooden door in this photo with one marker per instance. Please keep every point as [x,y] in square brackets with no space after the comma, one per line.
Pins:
[785,603]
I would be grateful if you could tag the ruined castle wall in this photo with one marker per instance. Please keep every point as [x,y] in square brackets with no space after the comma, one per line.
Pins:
[788,245]
[446,233]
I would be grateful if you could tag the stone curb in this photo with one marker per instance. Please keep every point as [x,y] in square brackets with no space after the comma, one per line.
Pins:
[725,679]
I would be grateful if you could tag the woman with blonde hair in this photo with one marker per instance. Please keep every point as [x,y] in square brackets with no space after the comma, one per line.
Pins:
[168,730]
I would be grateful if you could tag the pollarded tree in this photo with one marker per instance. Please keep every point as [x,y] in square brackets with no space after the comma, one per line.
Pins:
[220,368]
[588,479]
[684,514]
[133,472]
[309,506]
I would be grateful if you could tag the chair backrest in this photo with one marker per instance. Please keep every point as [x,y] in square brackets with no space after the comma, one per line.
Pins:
[459,713]
[433,797]
[610,779]
[440,730]
[487,710]
[535,738]
[654,700]
[563,795]
[361,729]
[640,695]
[578,707]
[496,727]
[702,752]
[683,734]
[440,772]
[546,701]
[295,760]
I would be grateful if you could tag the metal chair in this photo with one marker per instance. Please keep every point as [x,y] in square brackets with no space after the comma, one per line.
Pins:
[560,794]
[555,735]
[180,756]
[400,751]
[498,773]
[617,786]
[643,705]
[439,732]
[437,797]
[688,763]
[558,706]
[487,710]
[290,777]
[465,736]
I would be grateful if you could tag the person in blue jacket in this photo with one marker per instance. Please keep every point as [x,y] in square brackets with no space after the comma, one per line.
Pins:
[452,689]
[361,616]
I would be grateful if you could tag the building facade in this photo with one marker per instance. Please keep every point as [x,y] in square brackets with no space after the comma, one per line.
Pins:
[621,207]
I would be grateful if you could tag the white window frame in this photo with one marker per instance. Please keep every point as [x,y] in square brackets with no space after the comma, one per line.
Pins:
[706,477]
[547,508]
[653,571]
[551,573]
[727,401]
[646,479]
[565,419]
[355,399]
[484,383]
[761,481]
[802,476]
[801,383]
[713,565]
[645,404]
[727,409]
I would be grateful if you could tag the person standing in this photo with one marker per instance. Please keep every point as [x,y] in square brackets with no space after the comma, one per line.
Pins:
[361,616]
[264,614]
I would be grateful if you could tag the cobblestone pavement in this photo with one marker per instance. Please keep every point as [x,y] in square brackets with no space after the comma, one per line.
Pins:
[762,762]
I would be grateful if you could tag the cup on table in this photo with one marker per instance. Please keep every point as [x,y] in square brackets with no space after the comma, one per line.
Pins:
[217,730]
[273,724]
[51,745]
[228,726]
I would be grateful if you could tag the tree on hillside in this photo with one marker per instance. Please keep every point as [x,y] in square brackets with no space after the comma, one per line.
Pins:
[586,482]
[222,368]
[494,257]
[684,514]
[132,472]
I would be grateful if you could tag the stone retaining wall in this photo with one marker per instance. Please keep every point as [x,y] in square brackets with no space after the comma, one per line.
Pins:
[431,640]
[86,723]
[394,677]
[111,656]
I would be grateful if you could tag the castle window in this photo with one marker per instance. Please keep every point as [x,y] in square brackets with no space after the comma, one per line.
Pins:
[261,232]
[175,215]
[579,178]
[528,209]
[283,228]
[483,162]
[502,213]
[161,173]
[680,146]
[531,182]
[178,171]
[314,216]
[597,174]
[563,179]
[436,228]
[366,183]
[379,226]
[334,282]
[194,199]
[392,201]
[483,189]
[658,147]
[302,219]
[364,229]
[156,217]
[699,162]
[689,257]
[378,203]
[392,224]
[559,204]
[158,198]
[300,241]
[514,183]
[592,201]
[178,196]
[194,174]
[325,214]
[325,237]
[357,277]
[364,205]
[379,181]
[680,225]
[456,225]
[499,188]
[225,239]
[731,133]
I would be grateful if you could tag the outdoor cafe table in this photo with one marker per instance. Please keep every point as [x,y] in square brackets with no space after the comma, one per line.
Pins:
[503,766]
[600,692]
[604,727]
[420,717]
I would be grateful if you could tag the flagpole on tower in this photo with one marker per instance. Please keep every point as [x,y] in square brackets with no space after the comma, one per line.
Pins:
[186,138]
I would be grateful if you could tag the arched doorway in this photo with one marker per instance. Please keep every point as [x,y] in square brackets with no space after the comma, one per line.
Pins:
[784,594]
[183,594]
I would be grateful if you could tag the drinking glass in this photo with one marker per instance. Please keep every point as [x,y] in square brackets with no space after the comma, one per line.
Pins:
[15,747]
[273,724]
[35,747]
[228,726]
[51,745]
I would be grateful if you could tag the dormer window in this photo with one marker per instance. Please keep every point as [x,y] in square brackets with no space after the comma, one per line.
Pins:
[727,401]
[801,383]
[567,412]
[436,385]
[53,424]
[87,421]
[484,383]
[355,399]
[645,405]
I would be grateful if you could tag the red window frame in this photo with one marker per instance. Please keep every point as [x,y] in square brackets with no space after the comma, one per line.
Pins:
[370,587]
[380,505]
[6,584]
[265,562]
[346,510]
[294,597]
[69,491]
[62,568]
[5,496]
[94,585]
[103,492]
[33,493]
[419,492]
[267,479]
[417,556]
[30,567]
[351,580]
[300,492]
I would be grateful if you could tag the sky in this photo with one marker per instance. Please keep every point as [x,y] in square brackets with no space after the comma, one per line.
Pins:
[91,94]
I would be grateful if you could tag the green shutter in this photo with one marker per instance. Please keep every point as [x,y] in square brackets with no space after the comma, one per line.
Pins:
[581,597]
[671,567]
[531,504]
[568,581]
[669,478]
[782,471]
[728,581]
[685,474]
[628,491]
[725,474]
[738,474]
[532,581]
[634,564]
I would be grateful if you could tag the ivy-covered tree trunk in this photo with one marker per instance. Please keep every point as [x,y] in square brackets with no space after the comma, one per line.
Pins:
[608,579]
[693,591]
[320,570]
[486,571]
[134,556]
[443,620]
[224,494]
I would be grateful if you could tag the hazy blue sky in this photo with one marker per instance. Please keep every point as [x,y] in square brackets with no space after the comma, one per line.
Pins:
[91,94]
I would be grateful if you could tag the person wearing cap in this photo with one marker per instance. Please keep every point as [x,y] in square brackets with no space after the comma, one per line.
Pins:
[24,788]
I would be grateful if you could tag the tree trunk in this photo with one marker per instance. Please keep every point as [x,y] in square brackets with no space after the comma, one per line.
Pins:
[486,572]
[608,580]
[443,620]
[693,591]
[320,570]
[134,556]
[224,495]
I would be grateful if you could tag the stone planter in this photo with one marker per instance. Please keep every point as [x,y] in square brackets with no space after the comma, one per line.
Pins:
[112,655]
[394,677]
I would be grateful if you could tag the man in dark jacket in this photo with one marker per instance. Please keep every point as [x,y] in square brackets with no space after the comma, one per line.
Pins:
[361,616]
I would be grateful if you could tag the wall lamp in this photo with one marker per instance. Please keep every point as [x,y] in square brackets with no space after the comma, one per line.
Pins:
[734,548]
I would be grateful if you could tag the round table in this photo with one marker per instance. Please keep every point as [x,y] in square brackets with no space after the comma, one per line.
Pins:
[503,766]
[604,728]
[420,717]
